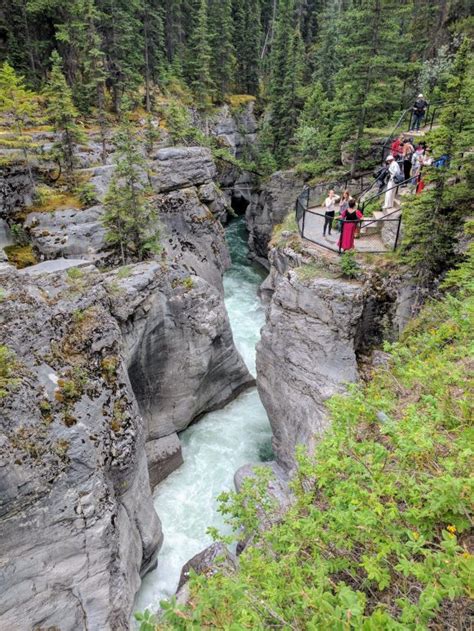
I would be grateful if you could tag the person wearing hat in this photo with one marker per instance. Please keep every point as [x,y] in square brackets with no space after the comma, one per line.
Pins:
[419,111]
[394,173]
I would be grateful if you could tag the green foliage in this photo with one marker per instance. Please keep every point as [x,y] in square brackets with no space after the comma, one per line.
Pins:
[130,220]
[8,371]
[86,194]
[20,108]
[378,535]
[198,65]
[434,220]
[349,266]
[63,116]
[147,620]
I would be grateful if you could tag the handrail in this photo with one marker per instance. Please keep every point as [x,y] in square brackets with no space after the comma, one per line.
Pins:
[385,190]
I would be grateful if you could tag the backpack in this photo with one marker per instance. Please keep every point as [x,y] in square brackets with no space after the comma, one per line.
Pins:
[399,178]
[380,173]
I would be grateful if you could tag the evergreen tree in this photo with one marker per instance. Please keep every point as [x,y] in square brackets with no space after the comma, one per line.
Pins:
[20,107]
[130,220]
[368,83]
[63,116]
[314,129]
[326,55]
[198,66]
[433,220]
[154,46]
[123,46]
[247,43]
[223,60]
[285,83]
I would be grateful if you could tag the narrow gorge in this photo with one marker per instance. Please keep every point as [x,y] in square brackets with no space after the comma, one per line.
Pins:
[236,273]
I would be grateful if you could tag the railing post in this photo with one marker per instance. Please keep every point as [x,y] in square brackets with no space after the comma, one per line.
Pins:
[302,225]
[398,232]
[342,233]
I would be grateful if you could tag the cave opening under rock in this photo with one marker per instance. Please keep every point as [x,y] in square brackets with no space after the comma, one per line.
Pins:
[239,203]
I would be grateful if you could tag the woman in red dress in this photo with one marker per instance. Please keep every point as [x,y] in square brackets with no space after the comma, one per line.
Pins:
[351,218]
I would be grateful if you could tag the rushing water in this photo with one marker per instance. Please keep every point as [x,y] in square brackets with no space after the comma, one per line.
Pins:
[217,446]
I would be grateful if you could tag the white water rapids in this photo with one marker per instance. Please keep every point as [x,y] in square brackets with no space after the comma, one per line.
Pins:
[216,446]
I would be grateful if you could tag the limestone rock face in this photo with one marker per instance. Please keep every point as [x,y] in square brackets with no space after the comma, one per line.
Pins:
[164,456]
[68,232]
[235,127]
[15,189]
[193,237]
[76,515]
[181,167]
[103,362]
[306,354]
[181,356]
[269,208]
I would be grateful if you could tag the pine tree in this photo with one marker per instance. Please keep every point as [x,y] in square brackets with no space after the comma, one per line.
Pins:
[154,46]
[20,107]
[130,220]
[433,220]
[63,116]
[247,44]
[368,84]
[223,60]
[314,129]
[123,47]
[285,82]
[198,66]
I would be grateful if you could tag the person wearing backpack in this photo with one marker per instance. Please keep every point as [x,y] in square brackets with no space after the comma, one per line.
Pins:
[419,111]
[395,178]
[380,176]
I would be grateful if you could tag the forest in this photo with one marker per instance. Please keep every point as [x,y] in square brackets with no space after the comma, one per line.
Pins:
[323,71]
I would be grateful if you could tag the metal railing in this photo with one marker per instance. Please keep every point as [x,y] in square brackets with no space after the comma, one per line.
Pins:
[367,234]
[432,111]
[376,235]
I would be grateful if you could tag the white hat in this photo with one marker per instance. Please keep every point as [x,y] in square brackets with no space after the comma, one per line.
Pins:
[389,158]
[420,96]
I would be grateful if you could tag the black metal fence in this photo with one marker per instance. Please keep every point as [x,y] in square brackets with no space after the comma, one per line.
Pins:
[375,234]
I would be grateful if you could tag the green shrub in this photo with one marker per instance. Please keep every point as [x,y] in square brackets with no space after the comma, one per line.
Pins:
[87,194]
[378,535]
[349,266]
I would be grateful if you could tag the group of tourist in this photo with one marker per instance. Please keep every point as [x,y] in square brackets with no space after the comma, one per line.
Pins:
[403,166]
[347,220]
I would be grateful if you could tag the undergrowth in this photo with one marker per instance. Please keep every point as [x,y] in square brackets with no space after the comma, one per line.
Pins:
[379,535]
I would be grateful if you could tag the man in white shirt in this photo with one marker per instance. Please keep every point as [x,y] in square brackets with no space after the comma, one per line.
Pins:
[330,206]
[394,172]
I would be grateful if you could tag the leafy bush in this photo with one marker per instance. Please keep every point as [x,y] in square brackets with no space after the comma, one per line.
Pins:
[87,194]
[378,536]
[349,265]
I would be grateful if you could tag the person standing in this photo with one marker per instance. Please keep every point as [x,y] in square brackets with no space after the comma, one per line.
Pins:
[419,111]
[330,207]
[396,147]
[416,164]
[343,205]
[394,175]
[351,217]
[407,153]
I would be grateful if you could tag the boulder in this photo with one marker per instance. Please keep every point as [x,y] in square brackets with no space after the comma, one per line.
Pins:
[211,560]
[164,456]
